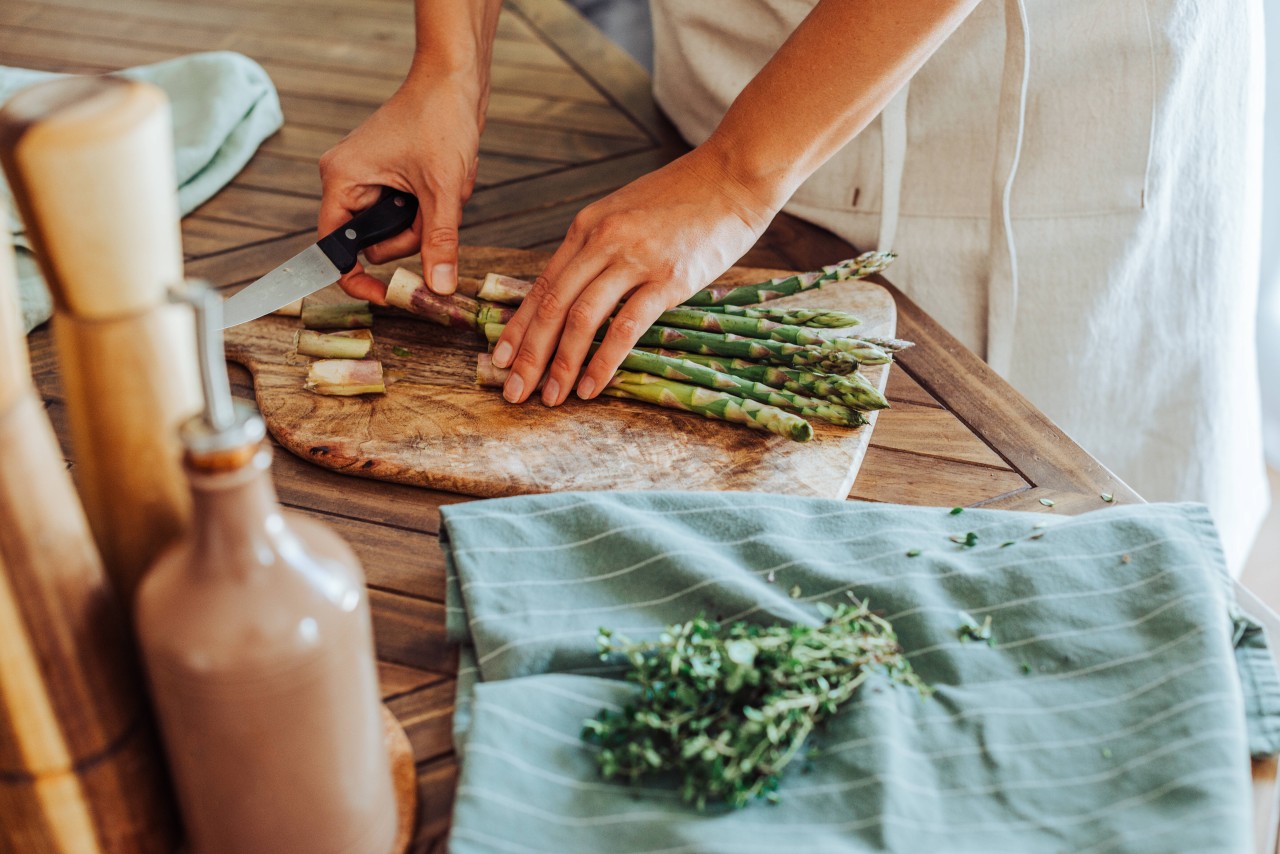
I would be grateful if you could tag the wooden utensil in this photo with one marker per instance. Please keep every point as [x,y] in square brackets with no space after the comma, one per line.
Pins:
[90,162]
[79,767]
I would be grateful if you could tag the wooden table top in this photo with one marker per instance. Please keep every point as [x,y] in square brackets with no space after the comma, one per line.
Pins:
[571,118]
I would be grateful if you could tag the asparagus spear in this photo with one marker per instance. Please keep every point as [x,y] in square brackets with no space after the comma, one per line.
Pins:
[690,372]
[504,289]
[346,344]
[345,377]
[345,315]
[675,395]
[408,291]
[826,359]
[749,327]
[852,389]
[864,265]
[824,318]
[709,404]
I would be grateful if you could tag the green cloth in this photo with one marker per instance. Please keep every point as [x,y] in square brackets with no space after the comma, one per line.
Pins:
[1114,712]
[223,105]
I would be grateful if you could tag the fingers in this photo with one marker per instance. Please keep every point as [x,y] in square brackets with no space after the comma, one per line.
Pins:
[509,343]
[361,285]
[582,321]
[439,240]
[545,319]
[637,315]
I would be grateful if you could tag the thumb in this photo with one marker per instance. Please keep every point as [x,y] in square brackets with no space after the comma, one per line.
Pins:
[440,245]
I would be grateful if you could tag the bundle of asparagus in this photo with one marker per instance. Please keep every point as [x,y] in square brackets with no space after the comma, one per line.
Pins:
[767,368]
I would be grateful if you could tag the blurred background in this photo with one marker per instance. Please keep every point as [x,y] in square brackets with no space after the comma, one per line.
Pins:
[627,23]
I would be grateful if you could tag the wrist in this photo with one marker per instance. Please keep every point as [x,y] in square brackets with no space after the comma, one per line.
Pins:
[765,178]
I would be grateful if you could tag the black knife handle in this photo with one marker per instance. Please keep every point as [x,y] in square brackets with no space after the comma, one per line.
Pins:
[390,215]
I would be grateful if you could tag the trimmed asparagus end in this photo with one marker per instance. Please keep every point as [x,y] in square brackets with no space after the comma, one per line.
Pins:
[504,289]
[408,291]
[347,344]
[293,309]
[345,315]
[401,287]
[345,377]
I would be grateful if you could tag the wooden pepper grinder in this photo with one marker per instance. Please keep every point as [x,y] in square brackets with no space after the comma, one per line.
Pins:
[258,643]
[90,162]
[79,764]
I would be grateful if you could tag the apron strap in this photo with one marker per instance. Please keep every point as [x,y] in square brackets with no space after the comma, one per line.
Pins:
[893,146]
[1002,282]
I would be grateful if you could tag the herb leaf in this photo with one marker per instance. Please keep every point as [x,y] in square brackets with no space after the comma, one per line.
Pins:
[726,708]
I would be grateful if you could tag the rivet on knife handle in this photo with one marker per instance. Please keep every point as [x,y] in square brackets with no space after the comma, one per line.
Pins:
[389,216]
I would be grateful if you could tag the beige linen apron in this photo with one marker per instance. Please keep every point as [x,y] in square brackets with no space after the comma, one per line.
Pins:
[1073,188]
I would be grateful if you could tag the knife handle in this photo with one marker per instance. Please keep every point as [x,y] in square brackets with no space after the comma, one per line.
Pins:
[389,216]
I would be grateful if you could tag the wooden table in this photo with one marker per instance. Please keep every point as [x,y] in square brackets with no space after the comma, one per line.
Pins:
[571,118]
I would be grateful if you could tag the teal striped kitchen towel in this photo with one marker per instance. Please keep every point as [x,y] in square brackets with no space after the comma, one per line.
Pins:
[1116,710]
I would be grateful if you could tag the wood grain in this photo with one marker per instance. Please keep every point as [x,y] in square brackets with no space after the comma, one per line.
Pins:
[435,428]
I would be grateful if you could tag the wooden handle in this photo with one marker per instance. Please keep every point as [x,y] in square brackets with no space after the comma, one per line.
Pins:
[79,769]
[91,164]
[15,369]
[90,161]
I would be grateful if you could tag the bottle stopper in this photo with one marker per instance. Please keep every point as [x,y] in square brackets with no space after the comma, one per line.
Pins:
[227,434]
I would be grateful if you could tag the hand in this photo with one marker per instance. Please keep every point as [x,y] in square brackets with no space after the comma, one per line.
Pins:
[653,243]
[425,140]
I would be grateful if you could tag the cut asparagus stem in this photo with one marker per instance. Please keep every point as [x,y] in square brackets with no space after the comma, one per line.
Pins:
[343,315]
[864,265]
[852,390]
[709,404]
[675,395]
[347,344]
[681,370]
[345,377]
[504,289]
[408,291]
[823,318]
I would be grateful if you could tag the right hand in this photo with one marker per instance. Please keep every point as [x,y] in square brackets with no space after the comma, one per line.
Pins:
[424,140]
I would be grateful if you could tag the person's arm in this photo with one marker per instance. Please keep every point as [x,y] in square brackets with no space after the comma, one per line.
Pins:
[425,140]
[662,237]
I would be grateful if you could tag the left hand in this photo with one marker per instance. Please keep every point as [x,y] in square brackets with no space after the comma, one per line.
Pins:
[652,243]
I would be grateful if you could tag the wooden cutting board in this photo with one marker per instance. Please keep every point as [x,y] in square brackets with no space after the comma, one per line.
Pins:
[435,428]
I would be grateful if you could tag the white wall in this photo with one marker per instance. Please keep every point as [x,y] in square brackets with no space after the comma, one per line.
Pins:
[1269,301]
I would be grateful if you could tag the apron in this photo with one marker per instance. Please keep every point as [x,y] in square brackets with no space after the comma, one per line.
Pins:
[1073,190]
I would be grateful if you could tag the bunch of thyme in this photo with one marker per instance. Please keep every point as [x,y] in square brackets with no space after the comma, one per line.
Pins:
[725,709]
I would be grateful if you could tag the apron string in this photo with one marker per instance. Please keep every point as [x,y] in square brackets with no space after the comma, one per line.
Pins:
[1002,281]
[893,160]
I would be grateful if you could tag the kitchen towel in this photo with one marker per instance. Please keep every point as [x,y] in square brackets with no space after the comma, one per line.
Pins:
[224,106]
[1115,711]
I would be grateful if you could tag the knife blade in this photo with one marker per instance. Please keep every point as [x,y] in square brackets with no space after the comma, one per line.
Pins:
[324,262]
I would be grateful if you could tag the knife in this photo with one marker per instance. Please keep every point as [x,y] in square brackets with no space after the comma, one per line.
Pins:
[323,263]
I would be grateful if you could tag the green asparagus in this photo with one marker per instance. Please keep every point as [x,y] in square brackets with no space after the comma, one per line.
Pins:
[864,265]
[816,317]
[709,404]
[852,390]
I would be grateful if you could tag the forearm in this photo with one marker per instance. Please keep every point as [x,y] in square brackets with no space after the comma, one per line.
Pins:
[826,83]
[454,38]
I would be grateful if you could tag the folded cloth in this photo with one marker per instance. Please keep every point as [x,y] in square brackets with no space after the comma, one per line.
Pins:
[1116,710]
[223,105]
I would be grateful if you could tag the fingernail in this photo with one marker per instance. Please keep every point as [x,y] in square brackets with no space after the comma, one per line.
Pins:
[551,393]
[585,387]
[443,279]
[502,354]
[512,390]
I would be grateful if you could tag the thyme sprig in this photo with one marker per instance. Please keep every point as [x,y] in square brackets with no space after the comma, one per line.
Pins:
[726,708]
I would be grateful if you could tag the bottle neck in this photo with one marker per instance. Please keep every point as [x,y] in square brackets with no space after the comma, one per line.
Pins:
[237,520]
